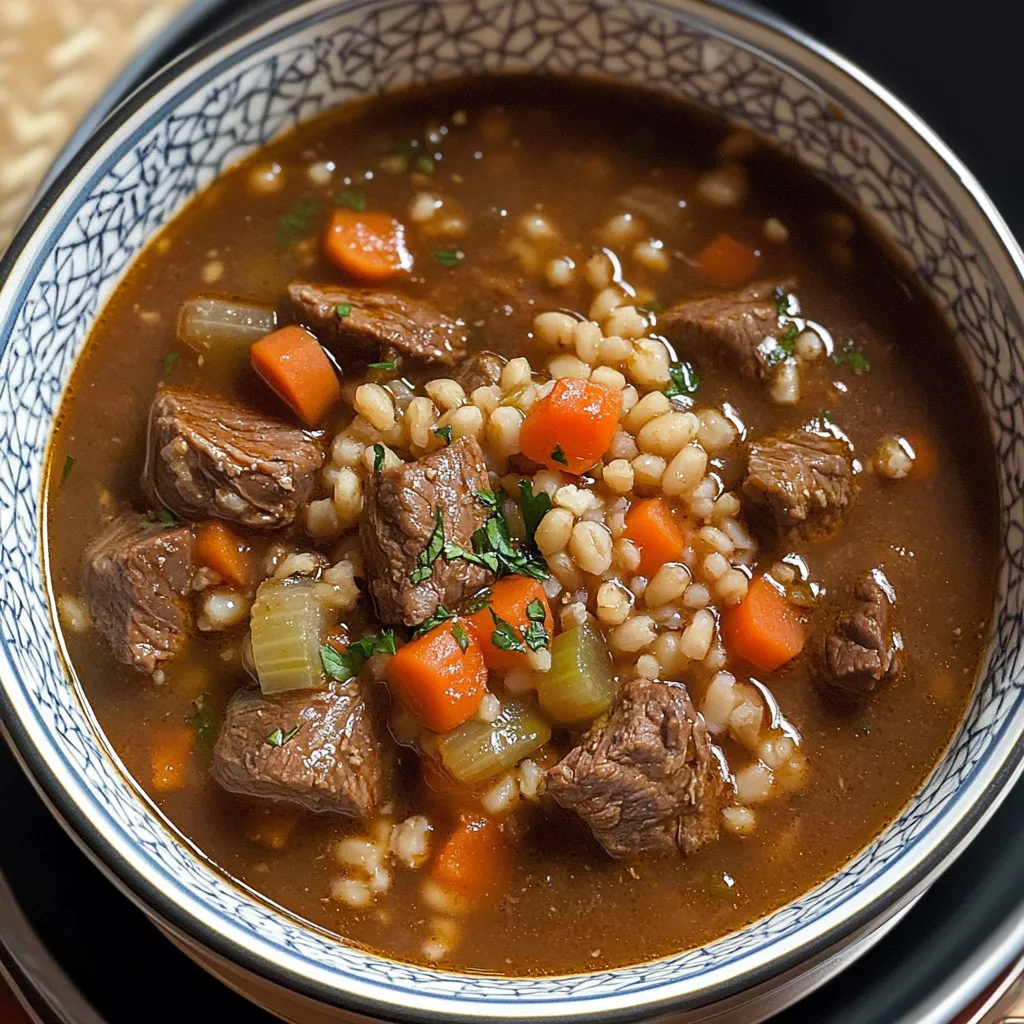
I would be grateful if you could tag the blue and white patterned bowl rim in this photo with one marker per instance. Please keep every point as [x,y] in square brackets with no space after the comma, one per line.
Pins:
[231,95]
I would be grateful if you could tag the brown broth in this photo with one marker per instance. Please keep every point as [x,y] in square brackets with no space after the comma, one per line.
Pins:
[571,149]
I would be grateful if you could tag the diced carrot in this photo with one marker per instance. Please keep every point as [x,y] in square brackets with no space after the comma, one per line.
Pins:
[219,548]
[295,367]
[509,600]
[439,683]
[169,758]
[571,428]
[652,528]
[763,628]
[473,861]
[272,826]
[926,457]
[727,262]
[369,246]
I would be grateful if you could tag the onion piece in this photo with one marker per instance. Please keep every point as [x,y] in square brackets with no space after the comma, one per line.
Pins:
[206,323]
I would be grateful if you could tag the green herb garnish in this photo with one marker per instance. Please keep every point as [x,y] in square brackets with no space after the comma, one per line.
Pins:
[448,257]
[165,517]
[352,199]
[425,164]
[781,302]
[278,738]
[481,600]
[559,456]
[535,506]
[857,361]
[342,667]
[387,364]
[343,309]
[685,379]
[69,464]
[441,614]
[296,222]
[378,458]
[169,360]
[504,636]
[429,555]
[490,500]
[201,718]
[444,433]
[865,727]
[461,636]
[536,634]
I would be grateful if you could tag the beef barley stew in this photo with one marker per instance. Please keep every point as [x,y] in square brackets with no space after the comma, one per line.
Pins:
[534,502]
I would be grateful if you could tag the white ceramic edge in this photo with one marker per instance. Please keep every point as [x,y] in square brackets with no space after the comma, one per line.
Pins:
[947,171]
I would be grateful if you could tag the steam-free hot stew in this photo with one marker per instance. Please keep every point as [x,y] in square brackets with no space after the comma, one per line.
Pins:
[523,525]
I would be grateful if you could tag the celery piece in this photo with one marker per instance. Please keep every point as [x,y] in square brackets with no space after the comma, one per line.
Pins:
[208,323]
[580,684]
[286,624]
[477,750]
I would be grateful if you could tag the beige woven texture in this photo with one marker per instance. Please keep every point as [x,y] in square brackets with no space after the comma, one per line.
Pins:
[56,58]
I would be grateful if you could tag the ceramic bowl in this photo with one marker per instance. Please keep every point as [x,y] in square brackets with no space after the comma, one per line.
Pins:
[232,95]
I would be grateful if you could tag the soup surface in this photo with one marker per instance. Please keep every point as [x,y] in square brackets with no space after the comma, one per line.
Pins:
[523,525]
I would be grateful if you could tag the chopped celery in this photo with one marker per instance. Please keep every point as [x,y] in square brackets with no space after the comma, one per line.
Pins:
[580,684]
[207,323]
[286,624]
[479,750]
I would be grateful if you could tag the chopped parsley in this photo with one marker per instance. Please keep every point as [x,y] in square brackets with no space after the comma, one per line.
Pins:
[445,433]
[826,417]
[165,517]
[536,634]
[169,360]
[387,364]
[201,718]
[788,336]
[559,456]
[441,614]
[474,604]
[69,464]
[685,379]
[781,302]
[504,636]
[378,458]
[343,309]
[857,361]
[865,727]
[342,667]
[425,164]
[535,506]
[278,738]
[490,500]
[352,199]
[429,555]
[448,257]
[461,636]
[296,222]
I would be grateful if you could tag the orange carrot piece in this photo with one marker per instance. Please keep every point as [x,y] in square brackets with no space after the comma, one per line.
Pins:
[571,428]
[338,639]
[926,456]
[169,758]
[219,548]
[652,528]
[272,826]
[473,860]
[509,600]
[727,262]
[763,628]
[439,683]
[369,246]
[295,367]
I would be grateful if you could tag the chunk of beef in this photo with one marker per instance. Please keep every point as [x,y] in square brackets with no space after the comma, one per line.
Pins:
[208,457]
[478,370]
[377,318]
[731,326]
[799,478]
[647,778]
[863,648]
[400,513]
[324,749]
[135,577]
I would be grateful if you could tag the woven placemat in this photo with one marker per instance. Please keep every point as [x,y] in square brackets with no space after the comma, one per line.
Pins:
[56,58]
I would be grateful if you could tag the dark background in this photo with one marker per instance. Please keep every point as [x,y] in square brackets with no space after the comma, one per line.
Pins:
[956,65]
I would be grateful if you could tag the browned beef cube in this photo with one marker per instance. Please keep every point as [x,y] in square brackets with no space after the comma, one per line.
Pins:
[327,750]
[135,577]
[799,478]
[208,457]
[647,778]
[478,370]
[732,326]
[862,649]
[377,319]
[400,513]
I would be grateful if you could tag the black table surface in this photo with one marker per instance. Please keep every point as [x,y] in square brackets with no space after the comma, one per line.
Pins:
[952,64]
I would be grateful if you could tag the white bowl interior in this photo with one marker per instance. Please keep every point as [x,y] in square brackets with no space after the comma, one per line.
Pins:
[233,100]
